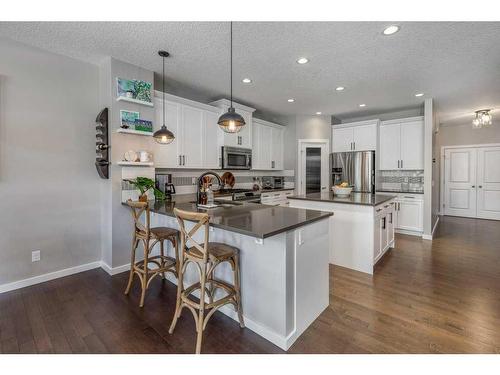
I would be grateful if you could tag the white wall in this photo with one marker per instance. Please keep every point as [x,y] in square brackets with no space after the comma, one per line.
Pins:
[49,187]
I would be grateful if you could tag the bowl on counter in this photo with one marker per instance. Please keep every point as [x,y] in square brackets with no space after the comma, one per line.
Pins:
[342,191]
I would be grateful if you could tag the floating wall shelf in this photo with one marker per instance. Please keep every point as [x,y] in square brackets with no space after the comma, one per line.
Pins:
[131,131]
[132,100]
[135,164]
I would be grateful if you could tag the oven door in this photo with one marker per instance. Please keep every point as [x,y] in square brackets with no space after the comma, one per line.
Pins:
[234,158]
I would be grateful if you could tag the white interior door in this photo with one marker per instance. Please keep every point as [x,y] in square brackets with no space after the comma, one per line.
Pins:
[488,183]
[460,182]
[325,164]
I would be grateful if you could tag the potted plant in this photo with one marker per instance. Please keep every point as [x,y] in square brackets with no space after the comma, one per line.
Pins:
[144,184]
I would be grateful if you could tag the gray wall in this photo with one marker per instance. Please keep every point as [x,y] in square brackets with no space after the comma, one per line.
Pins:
[429,117]
[461,135]
[49,187]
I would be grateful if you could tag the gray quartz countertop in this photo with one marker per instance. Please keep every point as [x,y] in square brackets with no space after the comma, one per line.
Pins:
[364,199]
[251,219]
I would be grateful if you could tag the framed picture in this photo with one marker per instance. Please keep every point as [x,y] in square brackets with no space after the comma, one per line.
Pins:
[134,89]
[128,119]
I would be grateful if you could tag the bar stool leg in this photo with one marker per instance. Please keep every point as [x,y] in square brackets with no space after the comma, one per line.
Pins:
[180,287]
[201,313]
[237,288]
[144,279]
[135,243]
[162,259]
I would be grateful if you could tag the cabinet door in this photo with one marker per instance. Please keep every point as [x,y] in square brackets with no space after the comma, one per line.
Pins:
[192,134]
[377,236]
[365,137]
[256,146]
[167,156]
[390,224]
[410,215]
[277,148]
[265,147]
[244,137]
[390,143]
[412,145]
[342,139]
[211,148]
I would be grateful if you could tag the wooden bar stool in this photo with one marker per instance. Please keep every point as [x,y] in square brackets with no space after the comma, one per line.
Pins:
[146,234]
[206,256]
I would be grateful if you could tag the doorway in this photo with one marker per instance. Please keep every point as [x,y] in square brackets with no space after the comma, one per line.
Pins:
[313,165]
[471,182]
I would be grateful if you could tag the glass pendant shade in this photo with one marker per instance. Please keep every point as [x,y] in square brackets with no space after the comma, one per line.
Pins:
[483,119]
[231,122]
[163,136]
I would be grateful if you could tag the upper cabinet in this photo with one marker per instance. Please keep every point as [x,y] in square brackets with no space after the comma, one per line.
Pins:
[196,135]
[244,137]
[267,151]
[402,144]
[355,136]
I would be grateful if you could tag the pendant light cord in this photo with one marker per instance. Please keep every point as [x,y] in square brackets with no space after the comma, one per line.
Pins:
[163,88]
[231,64]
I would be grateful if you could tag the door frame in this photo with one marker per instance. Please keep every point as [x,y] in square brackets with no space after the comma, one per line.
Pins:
[325,158]
[442,167]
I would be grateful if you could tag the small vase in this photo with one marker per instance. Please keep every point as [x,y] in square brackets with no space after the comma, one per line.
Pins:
[143,198]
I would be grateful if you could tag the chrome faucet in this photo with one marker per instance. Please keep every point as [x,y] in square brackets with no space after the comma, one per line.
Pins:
[200,183]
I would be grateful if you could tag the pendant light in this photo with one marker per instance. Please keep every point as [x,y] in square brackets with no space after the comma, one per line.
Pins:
[163,136]
[231,122]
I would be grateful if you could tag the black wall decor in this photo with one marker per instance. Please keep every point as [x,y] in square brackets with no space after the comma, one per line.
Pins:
[101,144]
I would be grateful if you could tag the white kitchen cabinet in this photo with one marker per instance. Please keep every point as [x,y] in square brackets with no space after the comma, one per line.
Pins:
[244,137]
[195,130]
[412,145]
[277,148]
[192,137]
[384,229]
[409,215]
[267,151]
[401,144]
[342,139]
[211,149]
[276,198]
[357,136]
[390,146]
[168,156]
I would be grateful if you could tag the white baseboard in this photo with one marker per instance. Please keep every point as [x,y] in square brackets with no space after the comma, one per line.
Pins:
[431,236]
[48,276]
[115,270]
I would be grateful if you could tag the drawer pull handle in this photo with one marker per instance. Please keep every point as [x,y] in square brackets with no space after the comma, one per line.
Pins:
[379,209]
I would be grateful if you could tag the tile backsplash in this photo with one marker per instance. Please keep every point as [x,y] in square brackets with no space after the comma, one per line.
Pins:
[400,180]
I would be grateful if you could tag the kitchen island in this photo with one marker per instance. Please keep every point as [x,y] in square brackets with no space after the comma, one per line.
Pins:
[283,262]
[362,229]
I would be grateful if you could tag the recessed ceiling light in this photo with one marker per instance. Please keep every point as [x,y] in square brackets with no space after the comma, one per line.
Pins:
[419,94]
[318,113]
[291,100]
[339,88]
[362,105]
[246,80]
[389,30]
[303,60]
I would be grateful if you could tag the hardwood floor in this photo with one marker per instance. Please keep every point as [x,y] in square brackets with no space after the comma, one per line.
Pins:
[425,297]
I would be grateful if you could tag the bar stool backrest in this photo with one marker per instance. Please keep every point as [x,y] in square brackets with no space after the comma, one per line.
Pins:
[202,221]
[138,208]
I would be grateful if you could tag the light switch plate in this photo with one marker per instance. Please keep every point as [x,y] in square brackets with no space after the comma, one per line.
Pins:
[35,256]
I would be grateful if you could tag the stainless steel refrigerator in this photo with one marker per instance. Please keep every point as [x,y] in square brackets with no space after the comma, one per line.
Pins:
[357,168]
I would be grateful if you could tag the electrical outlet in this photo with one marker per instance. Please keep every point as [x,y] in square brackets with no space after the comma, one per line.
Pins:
[35,256]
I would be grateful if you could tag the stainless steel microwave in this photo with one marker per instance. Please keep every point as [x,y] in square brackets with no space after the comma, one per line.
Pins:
[236,158]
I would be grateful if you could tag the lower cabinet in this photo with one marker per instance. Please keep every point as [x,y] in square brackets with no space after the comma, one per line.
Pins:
[409,214]
[384,230]
[278,198]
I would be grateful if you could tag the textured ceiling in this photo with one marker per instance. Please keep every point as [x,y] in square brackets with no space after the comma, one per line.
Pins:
[456,63]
